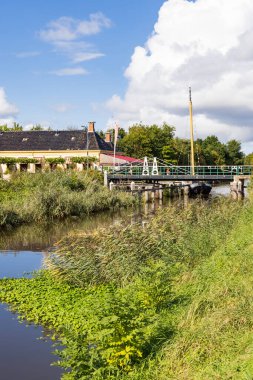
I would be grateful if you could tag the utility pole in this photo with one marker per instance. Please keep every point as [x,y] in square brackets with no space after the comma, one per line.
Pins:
[192,137]
[87,147]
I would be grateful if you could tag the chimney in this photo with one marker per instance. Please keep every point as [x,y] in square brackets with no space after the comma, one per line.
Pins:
[91,126]
[108,137]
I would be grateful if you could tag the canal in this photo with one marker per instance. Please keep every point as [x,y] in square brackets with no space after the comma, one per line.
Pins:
[23,355]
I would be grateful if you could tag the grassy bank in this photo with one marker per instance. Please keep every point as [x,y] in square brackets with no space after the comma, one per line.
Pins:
[40,197]
[172,301]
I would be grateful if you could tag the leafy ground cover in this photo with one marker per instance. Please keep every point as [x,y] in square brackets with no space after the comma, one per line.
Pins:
[46,196]
[172,301]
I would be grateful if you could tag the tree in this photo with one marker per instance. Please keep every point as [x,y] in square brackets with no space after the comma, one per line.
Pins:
[182,149]
[37,127]
[16,128]
[144,140]
[101,134]
[213,151]
[248,160]
[234,155]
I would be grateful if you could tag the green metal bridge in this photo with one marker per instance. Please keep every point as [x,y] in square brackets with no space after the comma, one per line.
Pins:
[153,170]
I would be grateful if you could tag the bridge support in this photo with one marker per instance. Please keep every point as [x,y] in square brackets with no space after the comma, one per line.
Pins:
[146,194]
[186,190]
[105,178]
[132,186]
[160,192]
[237,188]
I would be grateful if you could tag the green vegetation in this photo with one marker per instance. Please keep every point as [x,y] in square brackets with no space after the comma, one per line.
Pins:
[55,160]
[159,141]
[171,301]
[16,127]
[46,196]
[83,160]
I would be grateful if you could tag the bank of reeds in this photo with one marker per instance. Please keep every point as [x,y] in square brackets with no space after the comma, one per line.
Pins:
[171,301]
[40,197]
[176,235]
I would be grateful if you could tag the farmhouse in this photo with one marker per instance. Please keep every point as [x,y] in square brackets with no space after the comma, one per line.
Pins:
[34,150]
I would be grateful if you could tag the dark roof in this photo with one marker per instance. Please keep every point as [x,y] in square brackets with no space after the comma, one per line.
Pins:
[52,140]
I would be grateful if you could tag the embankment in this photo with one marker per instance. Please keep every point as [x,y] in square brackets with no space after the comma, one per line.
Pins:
[171,301]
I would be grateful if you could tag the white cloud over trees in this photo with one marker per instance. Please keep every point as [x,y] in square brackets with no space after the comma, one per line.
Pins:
[206,44]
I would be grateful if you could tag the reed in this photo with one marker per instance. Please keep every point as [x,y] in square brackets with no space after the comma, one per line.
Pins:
[117,254]
[171,301]
[48,196]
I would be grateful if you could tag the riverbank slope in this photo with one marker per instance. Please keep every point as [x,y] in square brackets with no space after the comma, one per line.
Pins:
[172,301]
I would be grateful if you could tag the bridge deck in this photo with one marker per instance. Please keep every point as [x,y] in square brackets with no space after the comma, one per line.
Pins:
[159,178]
[178,173]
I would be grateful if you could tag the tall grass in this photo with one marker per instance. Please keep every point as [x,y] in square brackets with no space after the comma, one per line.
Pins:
[171,301]
[48,196]
[117,254]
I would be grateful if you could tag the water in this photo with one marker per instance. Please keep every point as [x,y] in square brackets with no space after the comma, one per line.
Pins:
[22,354]
[19,264]
[224,189]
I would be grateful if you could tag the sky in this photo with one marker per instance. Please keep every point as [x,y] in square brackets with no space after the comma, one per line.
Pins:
[63,64]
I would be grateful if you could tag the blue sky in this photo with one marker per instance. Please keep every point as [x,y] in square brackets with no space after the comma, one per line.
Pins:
[35,66]
[65,63]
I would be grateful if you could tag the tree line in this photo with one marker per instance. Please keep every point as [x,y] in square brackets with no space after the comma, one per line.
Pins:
[160,141]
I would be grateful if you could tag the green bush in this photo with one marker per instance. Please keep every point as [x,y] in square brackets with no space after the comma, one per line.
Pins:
[25,160]
[83,160]
[55,160]
[7,160]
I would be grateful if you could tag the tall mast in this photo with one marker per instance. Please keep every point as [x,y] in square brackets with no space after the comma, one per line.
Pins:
[191,129]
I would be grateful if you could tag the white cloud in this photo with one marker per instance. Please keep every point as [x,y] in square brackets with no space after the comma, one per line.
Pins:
[7,121]
[82,57]
[27,54]
[70,29]
[70,71]
[63,107]
[6,109]
[206,44]
[67,34]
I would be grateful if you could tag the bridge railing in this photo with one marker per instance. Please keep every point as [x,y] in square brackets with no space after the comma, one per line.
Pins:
[172,170]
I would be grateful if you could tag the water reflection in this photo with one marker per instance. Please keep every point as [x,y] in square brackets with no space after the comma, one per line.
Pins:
[40,237]
[22,354]
[19,264]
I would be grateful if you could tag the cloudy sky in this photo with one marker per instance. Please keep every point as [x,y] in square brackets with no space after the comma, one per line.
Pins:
[65,63]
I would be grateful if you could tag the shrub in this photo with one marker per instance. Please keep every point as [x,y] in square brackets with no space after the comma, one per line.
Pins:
[83,160]
[55,160]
